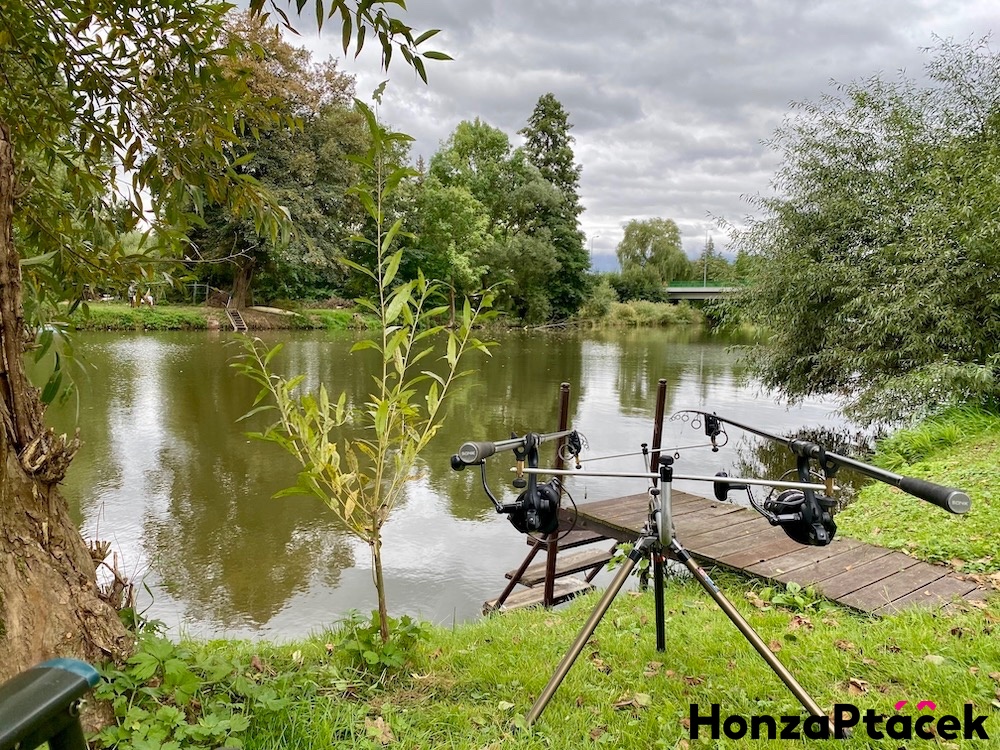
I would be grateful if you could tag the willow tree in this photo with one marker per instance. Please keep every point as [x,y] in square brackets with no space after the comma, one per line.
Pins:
[876,267]
[101,102]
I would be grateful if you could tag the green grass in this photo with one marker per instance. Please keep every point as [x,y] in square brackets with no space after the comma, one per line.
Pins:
[336,320]
[468,687]
[120,317]
[958,450]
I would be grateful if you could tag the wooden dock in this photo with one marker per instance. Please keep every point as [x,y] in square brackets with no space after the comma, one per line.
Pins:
[862,576]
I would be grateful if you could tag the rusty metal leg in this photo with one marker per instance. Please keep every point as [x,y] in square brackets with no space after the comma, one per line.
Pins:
[548,593]
[516,578]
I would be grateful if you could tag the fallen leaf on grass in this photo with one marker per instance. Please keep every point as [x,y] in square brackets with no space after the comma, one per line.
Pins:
[652,669]
[934,659]
[505,705]
[694,680]
[756,600]
[379,731]
[638,700]
[844,645]
[600,665]
[596,732]
[798,621]
[856,686]
[775,646]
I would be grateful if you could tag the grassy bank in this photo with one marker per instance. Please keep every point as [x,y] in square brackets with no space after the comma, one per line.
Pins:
[468,687]
[958,450]
[120,317]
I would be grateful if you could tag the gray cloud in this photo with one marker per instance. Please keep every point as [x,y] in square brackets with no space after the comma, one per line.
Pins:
[670,100]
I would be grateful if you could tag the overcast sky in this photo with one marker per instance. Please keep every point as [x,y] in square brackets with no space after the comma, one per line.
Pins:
[669,101]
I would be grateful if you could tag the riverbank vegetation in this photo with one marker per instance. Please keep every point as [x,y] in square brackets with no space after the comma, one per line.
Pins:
[106,316]
[956,449]
[469,687]
[875,268]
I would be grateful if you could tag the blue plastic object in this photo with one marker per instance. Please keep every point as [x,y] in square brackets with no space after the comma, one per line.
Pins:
[42,705]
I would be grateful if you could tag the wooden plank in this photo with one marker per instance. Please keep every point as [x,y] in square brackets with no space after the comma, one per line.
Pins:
[565,565]
[565,589]
[865,574]
[893,587]
[744,527]
[775,545]
[843,555]
[932,596]
[688,527]
[737,537]
[737,542]
[810,555]
[976,597]
[570,539]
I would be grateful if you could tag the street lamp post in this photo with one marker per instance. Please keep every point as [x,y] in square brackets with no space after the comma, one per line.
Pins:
[594,237]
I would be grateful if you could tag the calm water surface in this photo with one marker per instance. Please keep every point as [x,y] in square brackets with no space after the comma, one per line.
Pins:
[168,476]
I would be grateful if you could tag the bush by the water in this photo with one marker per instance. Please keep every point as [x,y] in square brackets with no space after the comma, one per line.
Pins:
[642,313]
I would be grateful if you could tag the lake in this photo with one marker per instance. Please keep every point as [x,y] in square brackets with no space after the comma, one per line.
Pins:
[168,476]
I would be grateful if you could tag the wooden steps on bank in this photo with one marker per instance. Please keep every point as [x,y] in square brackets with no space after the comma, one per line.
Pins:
[239,325]
[566,584]
[862,576]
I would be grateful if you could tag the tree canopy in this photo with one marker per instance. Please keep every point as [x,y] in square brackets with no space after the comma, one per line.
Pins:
[876,265]
[114,114]
[304,167]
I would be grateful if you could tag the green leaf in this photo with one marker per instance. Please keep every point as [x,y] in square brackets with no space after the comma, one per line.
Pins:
[390,236]
[436,56]
[393,266]
[37,260]
[425,36]
[399,298]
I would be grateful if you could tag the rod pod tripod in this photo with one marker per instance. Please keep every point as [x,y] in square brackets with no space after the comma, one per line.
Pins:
[656,540]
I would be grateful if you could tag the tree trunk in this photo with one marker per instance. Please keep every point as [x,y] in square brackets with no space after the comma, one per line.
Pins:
[49,603]
[383,610]
[241,283]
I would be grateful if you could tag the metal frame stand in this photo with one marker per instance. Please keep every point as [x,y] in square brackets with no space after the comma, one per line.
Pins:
[657,538]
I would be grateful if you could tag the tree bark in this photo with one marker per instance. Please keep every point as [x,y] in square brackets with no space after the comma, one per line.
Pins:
[49,603]
[241,282]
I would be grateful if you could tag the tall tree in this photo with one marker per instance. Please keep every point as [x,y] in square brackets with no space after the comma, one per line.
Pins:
[650,256]
[549,146]
[710,266]
[518,202]
[876,269]
[302,162]
[452,241]
[103,92]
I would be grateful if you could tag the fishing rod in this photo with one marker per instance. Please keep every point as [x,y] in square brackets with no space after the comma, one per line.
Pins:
[948,498]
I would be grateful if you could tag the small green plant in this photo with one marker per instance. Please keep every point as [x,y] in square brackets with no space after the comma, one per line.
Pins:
[794,597]
[361,640]
[164,699]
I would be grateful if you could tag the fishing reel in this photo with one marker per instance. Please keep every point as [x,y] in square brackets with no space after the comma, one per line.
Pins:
[536,509]
[807,520]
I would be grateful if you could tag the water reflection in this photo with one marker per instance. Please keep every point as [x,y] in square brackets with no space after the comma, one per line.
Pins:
[169,476]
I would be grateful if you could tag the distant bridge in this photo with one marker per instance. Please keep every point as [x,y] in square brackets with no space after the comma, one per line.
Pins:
[681,290]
